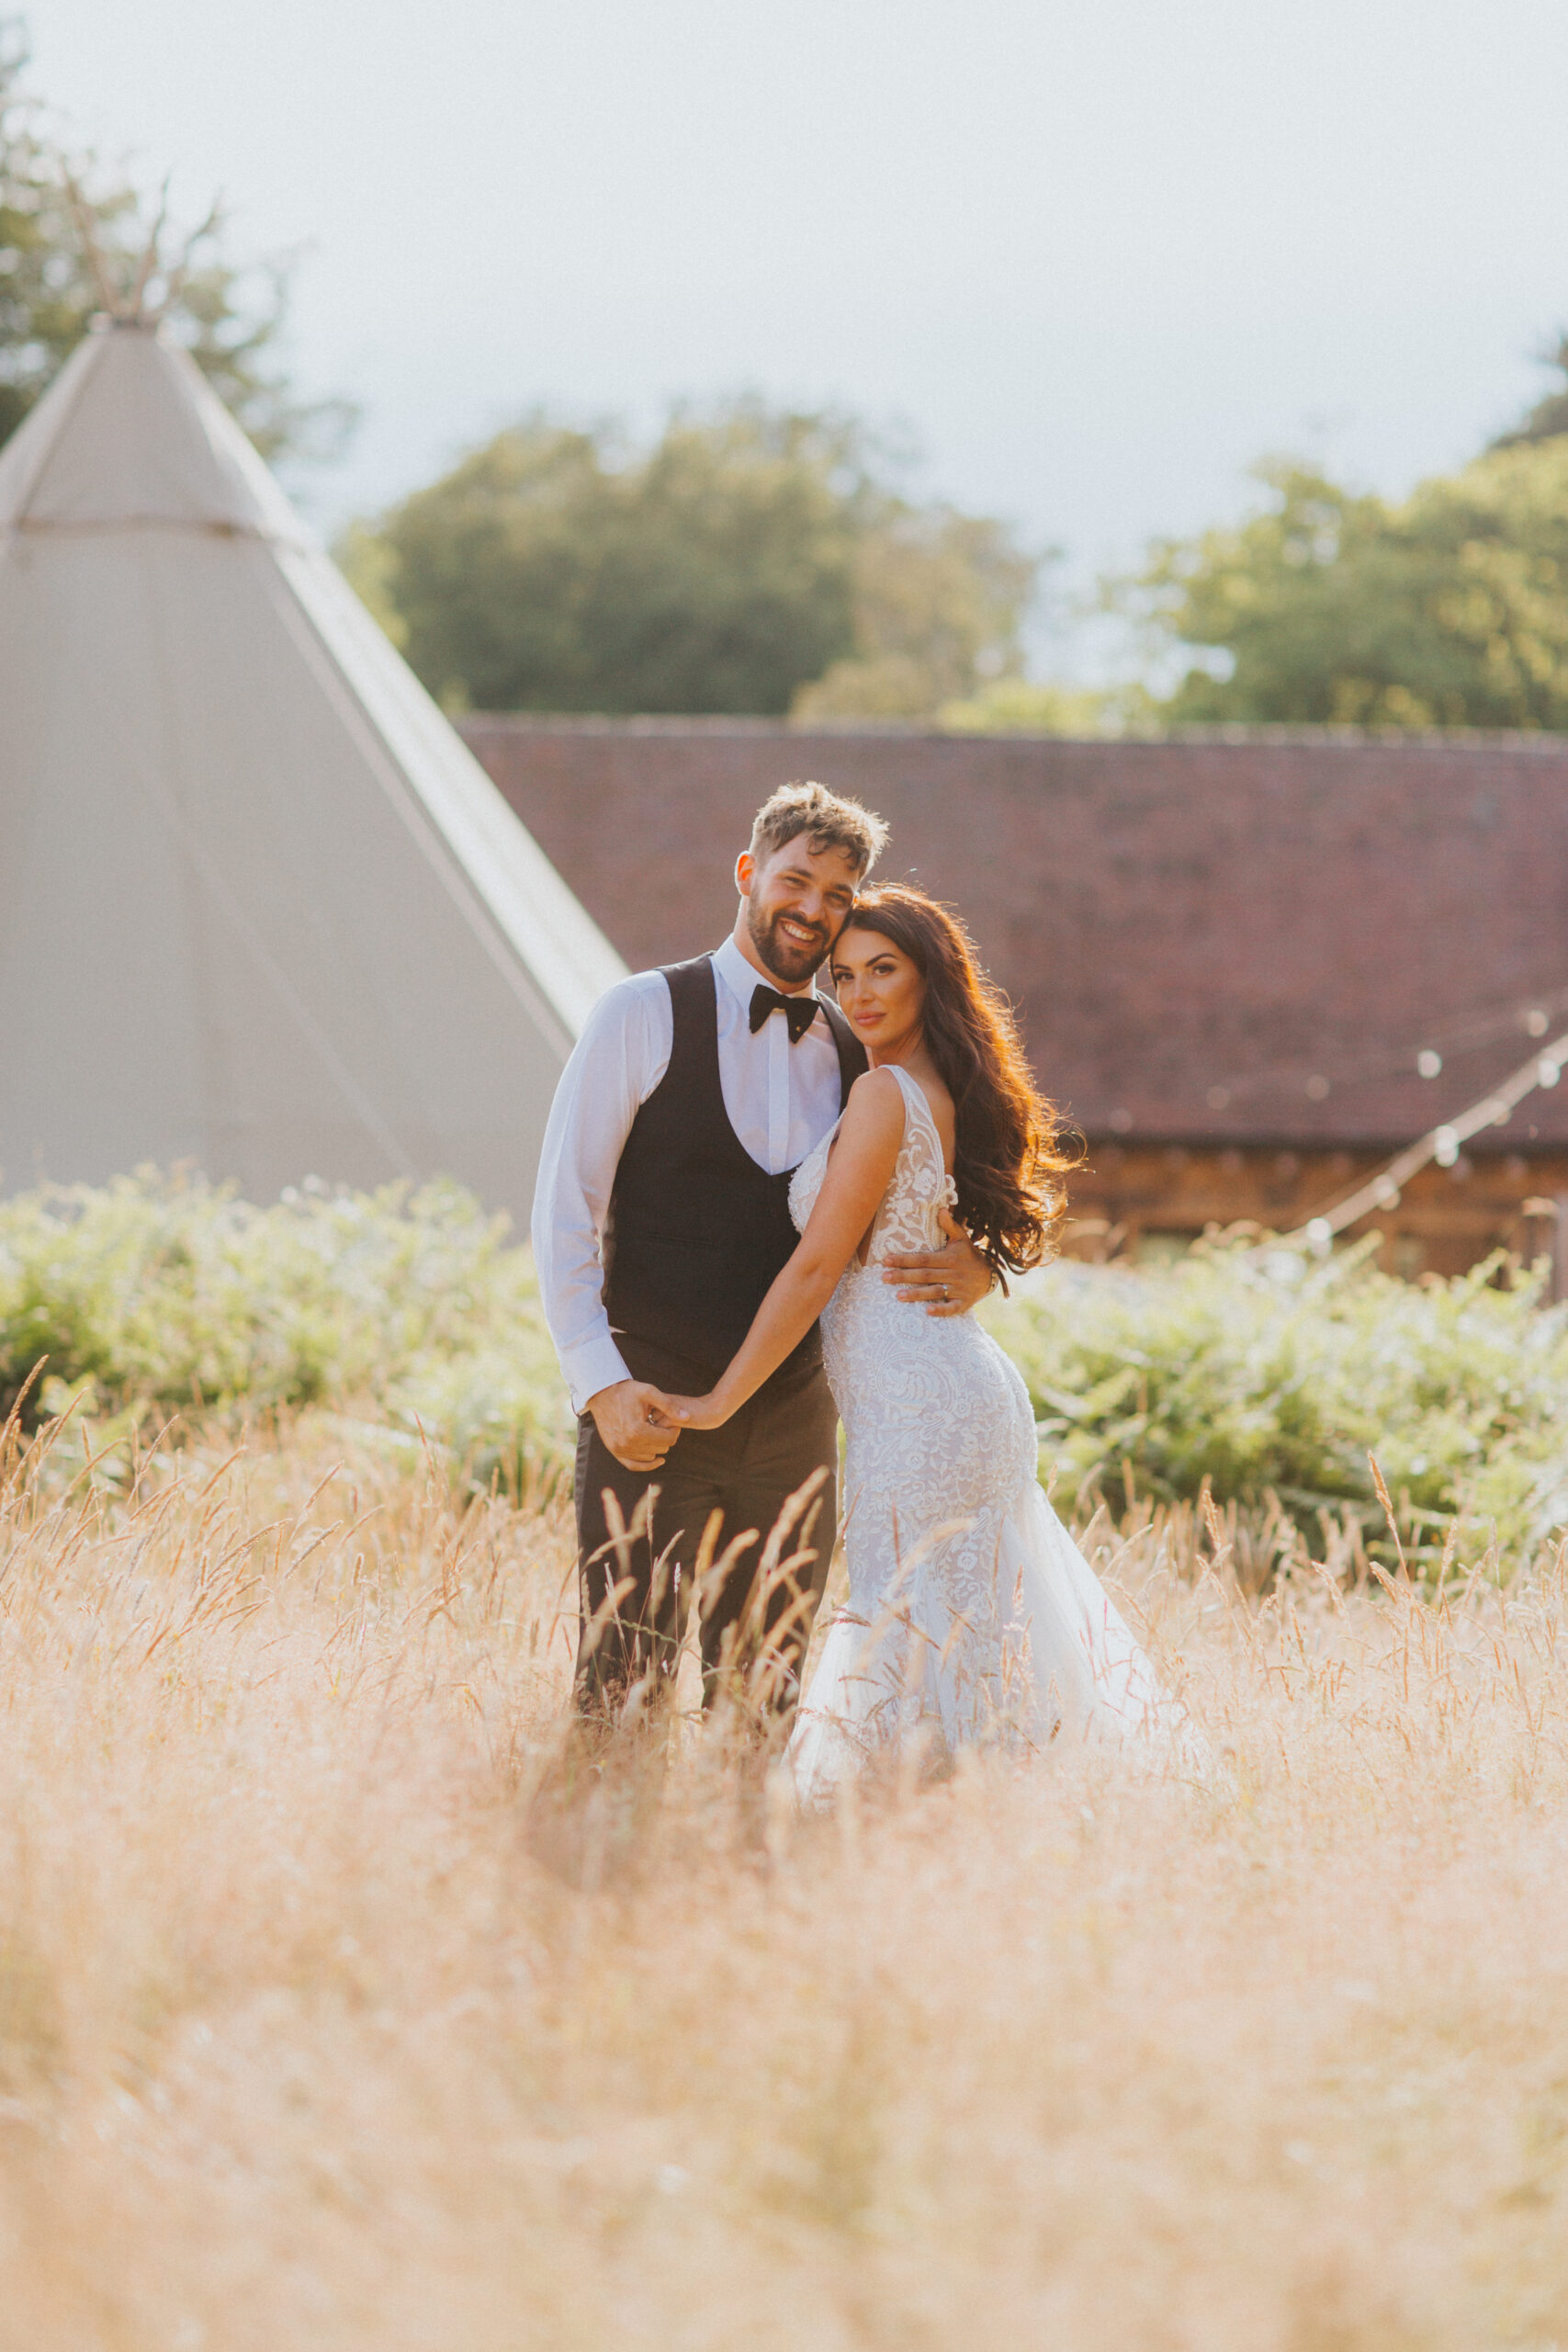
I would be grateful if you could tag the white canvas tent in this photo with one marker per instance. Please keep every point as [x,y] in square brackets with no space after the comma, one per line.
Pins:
[260,909]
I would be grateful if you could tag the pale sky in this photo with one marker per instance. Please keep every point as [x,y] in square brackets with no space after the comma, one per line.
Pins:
[1100,256]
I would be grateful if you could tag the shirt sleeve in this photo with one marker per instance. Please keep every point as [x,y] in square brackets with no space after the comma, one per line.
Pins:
[622,1052]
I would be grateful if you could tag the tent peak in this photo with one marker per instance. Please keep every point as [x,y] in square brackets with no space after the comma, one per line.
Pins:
[132,436]
[264,909]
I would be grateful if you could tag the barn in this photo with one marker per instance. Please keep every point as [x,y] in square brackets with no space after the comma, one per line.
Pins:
[1250,965]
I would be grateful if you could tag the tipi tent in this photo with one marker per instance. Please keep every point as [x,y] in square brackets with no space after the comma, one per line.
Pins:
[260,909]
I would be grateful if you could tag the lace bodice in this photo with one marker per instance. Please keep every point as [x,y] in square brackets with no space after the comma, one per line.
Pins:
[920,1187]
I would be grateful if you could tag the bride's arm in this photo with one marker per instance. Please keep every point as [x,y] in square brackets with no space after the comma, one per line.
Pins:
[860,1169]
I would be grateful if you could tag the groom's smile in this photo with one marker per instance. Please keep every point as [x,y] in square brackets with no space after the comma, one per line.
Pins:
[814,936]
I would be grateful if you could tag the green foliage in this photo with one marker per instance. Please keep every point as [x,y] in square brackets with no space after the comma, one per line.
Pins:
[1330,608]
[162,1296]
[1257,1374]
[228,319]
[712,575]
[1280,1373]
[938,597]
[1021,706]
[1550,414]
[747,553]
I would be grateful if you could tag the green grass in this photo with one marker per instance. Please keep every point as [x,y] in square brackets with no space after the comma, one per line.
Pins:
[1256,1374]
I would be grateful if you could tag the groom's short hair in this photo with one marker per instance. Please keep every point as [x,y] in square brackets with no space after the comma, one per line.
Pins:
[828,819]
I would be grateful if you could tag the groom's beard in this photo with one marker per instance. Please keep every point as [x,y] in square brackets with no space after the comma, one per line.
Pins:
[788,959]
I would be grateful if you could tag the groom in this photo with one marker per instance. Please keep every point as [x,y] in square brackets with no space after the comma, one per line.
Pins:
[661,1219]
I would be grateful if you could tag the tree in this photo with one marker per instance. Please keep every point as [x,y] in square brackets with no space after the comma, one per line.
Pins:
[229,320]
[744,555]
[540,574]
[1550,414]
[1039,706]
[938,597]
[1331,607]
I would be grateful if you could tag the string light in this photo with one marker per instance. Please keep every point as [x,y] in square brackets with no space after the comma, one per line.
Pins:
[1442,1144]
[1429,1059]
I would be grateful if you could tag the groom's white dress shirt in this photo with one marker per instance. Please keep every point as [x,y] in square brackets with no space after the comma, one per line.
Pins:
[781,1098]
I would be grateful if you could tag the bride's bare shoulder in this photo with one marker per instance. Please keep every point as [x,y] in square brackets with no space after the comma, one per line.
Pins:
[876,1085]
[875,1103]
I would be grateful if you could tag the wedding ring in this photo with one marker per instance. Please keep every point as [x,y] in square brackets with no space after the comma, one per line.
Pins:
[946,1293]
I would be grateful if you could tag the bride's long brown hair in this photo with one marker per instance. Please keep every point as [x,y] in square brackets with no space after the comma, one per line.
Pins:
[1007,1153]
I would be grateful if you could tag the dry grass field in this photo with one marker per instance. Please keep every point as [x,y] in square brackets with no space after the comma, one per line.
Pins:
[330,2017]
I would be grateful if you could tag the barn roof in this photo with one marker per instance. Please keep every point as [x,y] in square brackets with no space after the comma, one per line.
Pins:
[1238,941]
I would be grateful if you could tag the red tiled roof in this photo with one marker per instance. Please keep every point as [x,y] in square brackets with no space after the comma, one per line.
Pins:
[1238,941]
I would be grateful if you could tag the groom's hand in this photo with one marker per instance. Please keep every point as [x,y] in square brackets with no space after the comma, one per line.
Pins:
[632,1424]
[944,1282]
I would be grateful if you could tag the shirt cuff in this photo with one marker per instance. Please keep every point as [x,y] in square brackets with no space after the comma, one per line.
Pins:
[596,1365]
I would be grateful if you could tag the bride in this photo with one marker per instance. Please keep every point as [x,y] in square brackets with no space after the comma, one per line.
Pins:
[972,1614]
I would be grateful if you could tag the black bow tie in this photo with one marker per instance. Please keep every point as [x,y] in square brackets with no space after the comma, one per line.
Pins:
[800,1012]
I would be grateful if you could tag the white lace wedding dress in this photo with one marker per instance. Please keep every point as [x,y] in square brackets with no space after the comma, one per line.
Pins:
[972,1614]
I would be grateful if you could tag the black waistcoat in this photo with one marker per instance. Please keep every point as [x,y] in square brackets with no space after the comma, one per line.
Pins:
[696,1231]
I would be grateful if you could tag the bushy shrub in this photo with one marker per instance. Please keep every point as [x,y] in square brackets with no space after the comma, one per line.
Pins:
[168,1296]
[1271,1370]
[1257,1371]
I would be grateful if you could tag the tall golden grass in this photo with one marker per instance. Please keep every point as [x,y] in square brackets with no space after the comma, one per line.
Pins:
[335,2012]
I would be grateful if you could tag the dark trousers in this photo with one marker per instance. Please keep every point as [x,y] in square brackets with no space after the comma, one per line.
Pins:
[636,1589]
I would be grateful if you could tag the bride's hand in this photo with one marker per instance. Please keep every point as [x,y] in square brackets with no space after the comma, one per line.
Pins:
[693,1412]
